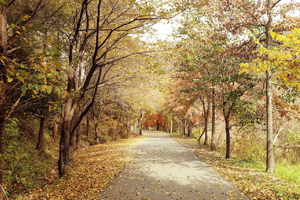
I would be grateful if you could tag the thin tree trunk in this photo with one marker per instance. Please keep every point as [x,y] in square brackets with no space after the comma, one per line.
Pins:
[128,124]
[167,126]
[140,123]
[200,136]
[205,129]
[171,128]
[270,152]
[87,127]
[3,88]
[183,126]
[206,122]
[227,128]
[213,122]
[157,125]
[40,144]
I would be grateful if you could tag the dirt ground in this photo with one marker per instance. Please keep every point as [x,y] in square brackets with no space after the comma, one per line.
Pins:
[163,169]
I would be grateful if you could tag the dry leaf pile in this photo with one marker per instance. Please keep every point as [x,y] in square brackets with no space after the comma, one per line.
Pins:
[89,174]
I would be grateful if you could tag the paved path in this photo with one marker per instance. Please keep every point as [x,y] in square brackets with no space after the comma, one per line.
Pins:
[164,169]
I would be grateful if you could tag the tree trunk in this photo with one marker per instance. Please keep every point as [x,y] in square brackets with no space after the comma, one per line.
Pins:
[213,122]
[205,129]
[167,125]
[270,152]
[171,128]
[40,144]
[87,127]
[227,128]
[64,145]
[157,125]
[190,128]
[3,88]
[183,127]
[140,123]
[200,136]
[206,122]
[128,124]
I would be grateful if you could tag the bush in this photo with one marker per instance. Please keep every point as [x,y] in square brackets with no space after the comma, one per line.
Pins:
[23,164]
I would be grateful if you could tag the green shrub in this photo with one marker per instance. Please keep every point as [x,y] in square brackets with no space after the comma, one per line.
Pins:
[24,165]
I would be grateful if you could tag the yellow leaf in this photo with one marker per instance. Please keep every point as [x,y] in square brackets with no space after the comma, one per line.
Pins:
[9,79]
[25,39]
[18,32]
[44,88]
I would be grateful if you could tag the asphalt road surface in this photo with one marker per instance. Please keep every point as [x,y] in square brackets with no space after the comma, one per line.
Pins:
[162,168]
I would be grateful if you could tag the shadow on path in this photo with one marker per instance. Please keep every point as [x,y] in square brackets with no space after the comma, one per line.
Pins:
[163,169]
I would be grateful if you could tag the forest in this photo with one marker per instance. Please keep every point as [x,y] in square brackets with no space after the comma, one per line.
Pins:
[91,75]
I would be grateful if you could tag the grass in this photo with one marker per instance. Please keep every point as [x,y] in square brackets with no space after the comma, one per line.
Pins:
[250,176]
[291,173]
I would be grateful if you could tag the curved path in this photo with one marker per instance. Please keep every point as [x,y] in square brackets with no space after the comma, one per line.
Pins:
[163,169]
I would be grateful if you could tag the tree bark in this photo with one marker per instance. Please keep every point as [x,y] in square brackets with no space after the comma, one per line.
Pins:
[171,128]
[87,127]
[3,88]
[183,126]
[140,123]
[206,119]
[64,146]
[213,122]
[157,125]
[227,129]
[40,144]
[270,152]
[128,124]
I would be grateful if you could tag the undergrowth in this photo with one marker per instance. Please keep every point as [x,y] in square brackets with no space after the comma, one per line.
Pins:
[24,165]
[89,174]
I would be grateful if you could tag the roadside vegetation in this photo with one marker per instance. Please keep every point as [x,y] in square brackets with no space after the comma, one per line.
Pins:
[75,74]
[248,175]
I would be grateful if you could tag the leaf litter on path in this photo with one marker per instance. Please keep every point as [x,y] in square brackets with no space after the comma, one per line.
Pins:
[89,173]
